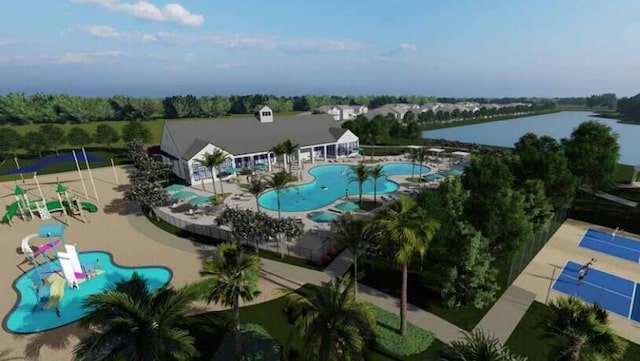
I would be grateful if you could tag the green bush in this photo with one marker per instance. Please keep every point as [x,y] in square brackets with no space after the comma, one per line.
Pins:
[387,329]
[257,345]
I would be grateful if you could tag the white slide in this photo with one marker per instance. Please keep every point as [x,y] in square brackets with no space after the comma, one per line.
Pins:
[67,268]
[26,247]
[75,261]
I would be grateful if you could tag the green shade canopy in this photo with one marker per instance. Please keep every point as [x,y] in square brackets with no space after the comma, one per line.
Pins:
[196,201]
[18,191]
[183,195]
[174,187]
[260,166]
[233,170]
[61,188]
[454,172]
[432,177]
[347,206]
[323,217]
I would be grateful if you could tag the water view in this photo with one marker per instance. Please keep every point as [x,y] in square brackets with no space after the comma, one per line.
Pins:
[558,125]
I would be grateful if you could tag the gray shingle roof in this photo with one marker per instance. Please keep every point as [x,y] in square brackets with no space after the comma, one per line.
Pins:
[248,135]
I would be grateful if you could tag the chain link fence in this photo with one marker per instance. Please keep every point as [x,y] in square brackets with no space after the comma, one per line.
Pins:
[223,235]
[530,248]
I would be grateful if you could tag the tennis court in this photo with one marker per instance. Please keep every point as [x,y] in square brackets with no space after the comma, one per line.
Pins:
[616,294]
[617,246]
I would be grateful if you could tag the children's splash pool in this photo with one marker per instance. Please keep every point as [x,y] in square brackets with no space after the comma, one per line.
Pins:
[331,183]
[34,312]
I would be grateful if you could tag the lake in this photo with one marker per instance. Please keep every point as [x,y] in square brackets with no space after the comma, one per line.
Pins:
[558,125]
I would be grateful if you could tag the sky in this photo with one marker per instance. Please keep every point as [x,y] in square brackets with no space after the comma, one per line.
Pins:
[463,48]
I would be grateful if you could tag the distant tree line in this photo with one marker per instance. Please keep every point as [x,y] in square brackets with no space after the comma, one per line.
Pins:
[52,137]
[606,100]
[39,108]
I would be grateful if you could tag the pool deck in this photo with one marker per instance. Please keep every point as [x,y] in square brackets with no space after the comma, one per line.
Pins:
[563,247]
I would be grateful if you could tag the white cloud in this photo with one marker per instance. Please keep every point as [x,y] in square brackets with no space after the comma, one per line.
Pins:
[82,58]
[242,41]
[407,47]
[104,31]
[7,42]
[145,10]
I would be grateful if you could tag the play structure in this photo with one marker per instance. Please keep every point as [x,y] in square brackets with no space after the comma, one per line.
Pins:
[57,266]
[26,209]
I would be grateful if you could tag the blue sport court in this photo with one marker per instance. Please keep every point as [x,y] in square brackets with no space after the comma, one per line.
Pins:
[616,294]
[618,246]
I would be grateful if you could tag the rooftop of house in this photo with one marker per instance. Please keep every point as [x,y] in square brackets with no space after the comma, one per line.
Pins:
[247,135]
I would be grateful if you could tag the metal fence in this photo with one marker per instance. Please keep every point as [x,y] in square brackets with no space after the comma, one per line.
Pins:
[530,248]
[220,234]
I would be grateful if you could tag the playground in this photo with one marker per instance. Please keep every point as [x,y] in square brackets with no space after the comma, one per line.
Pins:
[112,234]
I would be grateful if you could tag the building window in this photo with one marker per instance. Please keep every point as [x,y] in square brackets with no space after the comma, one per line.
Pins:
[200,172]
[266,114]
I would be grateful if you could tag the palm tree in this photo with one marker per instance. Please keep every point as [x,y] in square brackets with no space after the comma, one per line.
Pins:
[478,346]
[335,326]
[375,173]
[360,175]
[406,229]
[583,330]
[131,322]
[289,149]
[213,161]
[235,275]
[354,235]
[413,157]
[256,187]
[278,182]
[277,151]
[421,157]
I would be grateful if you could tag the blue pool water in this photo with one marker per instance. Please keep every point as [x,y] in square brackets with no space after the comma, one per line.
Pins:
[310,196]
[27,316]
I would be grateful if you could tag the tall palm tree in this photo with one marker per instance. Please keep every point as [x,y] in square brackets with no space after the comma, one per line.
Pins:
[360,175]
[235,275]
[131,322]
[256,187]
[583,330]
[213,161]
[375,173]
[334,324]
[279,182]
[478,346]
[406,230]
[278,151]
[421,157]
[289,149]
[413,157]
[354,235]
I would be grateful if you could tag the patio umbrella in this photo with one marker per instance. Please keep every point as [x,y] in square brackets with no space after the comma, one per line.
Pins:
[347,206]
[196,201]
[324,217]
[183,195]
[233,170]
[174,187]
[260,166]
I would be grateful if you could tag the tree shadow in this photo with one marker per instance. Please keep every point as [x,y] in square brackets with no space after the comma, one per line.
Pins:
[117,206]
[59,339]
[5,355]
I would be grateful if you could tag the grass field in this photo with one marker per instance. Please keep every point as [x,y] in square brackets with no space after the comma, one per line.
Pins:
[155,126]
[529,339]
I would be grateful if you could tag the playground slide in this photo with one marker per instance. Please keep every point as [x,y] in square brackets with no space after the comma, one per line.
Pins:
[11,212]
[56,291]
[89,207]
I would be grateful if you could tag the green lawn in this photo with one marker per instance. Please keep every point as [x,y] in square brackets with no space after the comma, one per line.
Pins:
[270,316]
[528,339]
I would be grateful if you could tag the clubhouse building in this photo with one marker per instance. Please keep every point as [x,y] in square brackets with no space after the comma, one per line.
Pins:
[248,142]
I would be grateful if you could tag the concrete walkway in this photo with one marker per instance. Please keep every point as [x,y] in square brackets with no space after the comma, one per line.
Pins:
[340,265]
[506,313]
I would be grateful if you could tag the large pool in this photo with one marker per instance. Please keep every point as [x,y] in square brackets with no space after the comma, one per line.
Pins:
[311,196]
[28,316]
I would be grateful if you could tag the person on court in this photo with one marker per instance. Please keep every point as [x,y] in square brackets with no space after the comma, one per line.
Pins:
[581,274]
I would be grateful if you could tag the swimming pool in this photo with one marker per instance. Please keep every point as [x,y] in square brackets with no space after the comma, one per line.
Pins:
[310,196]
[27,316]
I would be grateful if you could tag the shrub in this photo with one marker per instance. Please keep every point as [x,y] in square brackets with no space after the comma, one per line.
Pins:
[257,345]
[387,329]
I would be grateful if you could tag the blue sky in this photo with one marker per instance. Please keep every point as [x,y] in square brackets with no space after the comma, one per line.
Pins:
[445,48]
